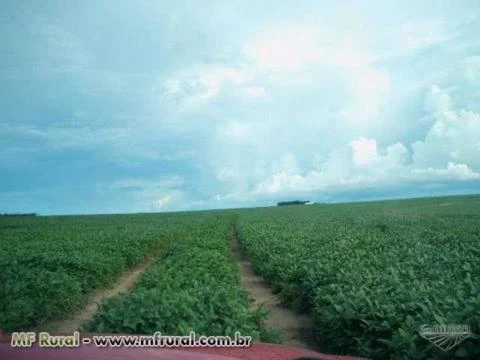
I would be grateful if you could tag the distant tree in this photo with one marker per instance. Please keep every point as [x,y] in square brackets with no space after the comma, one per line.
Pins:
[19,214]
[295,202]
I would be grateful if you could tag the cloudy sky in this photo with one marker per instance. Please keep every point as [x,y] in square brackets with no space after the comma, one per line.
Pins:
[125,106]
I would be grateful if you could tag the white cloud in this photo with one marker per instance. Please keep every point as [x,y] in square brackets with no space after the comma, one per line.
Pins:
[437,100]
[284,184]
[280,183]
[396,155]
[294,55]
[454,135]
[255,92]
[287,164]
[161,193]
[422,34]
[212,80]
[449,152]
[199,84]
[285,48]
[293,51]
[364,151]
[369,88]
[257,105]
[451,172]
[165,201]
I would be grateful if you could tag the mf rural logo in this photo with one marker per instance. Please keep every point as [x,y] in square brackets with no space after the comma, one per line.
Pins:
[445,337]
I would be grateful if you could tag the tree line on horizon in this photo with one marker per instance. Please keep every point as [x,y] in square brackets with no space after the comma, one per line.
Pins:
[294,202]
[18,214]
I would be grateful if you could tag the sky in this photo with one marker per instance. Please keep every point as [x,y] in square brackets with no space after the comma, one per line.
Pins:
[133,106]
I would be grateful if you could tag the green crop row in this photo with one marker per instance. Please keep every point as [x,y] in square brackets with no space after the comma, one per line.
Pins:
[372,274]
[193,286]
[50,265]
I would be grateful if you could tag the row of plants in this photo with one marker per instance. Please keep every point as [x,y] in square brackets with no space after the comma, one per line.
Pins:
[372,274]
[193,286]
[49,266]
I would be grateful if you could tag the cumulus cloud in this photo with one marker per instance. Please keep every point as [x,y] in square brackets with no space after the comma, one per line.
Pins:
[451,172]
[437,100]
[279,104]
[449,152]
[454,136]
[364,151]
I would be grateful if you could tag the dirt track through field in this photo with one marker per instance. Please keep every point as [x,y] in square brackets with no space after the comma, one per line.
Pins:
[123,284]
[296,329]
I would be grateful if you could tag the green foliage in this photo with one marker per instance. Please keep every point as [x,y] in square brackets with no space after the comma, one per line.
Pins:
[193,286]
[50,265]
[371,274]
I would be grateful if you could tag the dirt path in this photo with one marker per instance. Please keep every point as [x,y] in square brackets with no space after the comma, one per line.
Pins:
[123,284]
[296,329]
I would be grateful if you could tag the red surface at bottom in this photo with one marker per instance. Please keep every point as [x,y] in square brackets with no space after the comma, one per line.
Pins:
[271,351]
[90,352]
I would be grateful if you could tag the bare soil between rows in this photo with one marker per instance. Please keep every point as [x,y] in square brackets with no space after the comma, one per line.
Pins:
[296,329]
[123,284]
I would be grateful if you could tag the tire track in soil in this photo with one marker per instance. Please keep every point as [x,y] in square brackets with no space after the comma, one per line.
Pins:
[296,329]
[123,284]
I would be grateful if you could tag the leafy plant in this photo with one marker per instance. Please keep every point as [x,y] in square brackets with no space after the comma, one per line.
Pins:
[371,276]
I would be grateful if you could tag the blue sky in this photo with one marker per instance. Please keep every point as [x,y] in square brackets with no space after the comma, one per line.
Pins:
[126,106]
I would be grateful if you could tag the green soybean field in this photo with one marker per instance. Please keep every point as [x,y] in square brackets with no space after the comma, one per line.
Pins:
[49,266]
[369,274]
